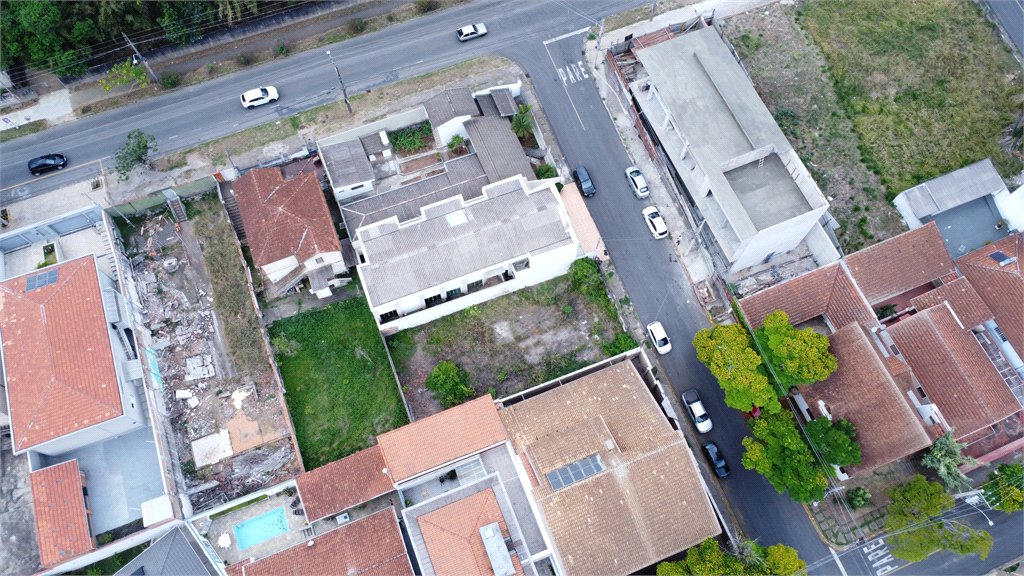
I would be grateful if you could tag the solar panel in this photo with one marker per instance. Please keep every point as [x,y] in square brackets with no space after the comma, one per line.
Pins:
[998,256]
[575,471]
[40,280]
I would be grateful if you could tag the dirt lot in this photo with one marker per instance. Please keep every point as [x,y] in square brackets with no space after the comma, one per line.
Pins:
[197,364]
[788,72]
[509,343]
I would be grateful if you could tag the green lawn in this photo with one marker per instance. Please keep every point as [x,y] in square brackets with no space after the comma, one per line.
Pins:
[341,391]
[929,85]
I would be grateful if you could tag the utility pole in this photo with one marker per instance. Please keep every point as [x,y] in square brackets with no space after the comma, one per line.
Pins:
[653,8]
[138,57]
[344,91]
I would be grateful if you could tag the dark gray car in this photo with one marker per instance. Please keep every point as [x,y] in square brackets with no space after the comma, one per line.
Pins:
[47,163]
[582,178]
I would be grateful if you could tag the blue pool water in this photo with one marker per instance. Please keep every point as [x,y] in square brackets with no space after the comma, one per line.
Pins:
[261,528]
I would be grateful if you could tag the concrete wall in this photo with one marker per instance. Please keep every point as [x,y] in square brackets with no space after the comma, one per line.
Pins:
[329,258]
[782,237]
[344,193]
[391,123]
[91,435]
[543,267]
[1011,207]
[516,89]
[452,127]
[277,270]
[821,246]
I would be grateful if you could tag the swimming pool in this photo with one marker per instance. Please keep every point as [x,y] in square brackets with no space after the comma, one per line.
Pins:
[261,528]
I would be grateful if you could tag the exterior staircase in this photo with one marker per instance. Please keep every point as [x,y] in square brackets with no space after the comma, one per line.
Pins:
[227,197]
[175,205]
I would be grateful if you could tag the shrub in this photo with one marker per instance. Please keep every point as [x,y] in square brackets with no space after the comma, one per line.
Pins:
[242,60]
[451,384]
[410,139]
[282,49]
[858,497]
[169,79]
[456,142]
[545,171]
[209,68]
[424,6]
[356,26]
[620,344]
[522,122]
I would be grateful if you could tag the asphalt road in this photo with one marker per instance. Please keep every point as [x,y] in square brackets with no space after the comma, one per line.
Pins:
[1011,15]
[656,283]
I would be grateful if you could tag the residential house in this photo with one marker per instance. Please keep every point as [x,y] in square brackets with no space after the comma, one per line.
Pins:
[289,229]
[348,168]
[335,487]
[63,517]
[618,487]
[174,553]
[971,207]
[448,110]
[739,175]
[458,252]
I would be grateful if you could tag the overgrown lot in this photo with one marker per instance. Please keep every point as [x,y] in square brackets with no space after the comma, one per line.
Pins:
[929,85]
[341,391]
[515,341]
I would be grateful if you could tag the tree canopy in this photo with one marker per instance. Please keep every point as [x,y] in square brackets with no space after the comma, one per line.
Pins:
[1005,488]
[916,528]
[451,384]
[134,152]
[726,350]
[834,441]
[750,559]
[779,453]
[945,458]
[798,356]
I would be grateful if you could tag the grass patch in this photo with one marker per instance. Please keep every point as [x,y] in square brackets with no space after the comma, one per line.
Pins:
[238,507]
[231,297]
[114,563]
[928,85]
[24,130]
[341,392]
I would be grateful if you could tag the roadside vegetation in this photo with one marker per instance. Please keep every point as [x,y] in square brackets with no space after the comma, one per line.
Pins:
[746,557]
[24,130]
[341,392]
[917,529]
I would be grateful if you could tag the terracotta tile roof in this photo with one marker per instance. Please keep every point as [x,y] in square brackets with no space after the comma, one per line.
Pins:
[359,548]
[441,438]
[900,263]
[953,370]
[284,218]
[452,535]
[965,302]
[863,391]
[60,368]
[1001,287]
[343,483]
[61,523]
[828,291]
[237,569]
[628,516]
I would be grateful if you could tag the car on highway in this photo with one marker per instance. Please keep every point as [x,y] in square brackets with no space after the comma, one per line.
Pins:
[637,183]
[655,222]
[695,407]
[716,460]
[582,178]
[470,32]
[662,343]
[259,96]
[47,163]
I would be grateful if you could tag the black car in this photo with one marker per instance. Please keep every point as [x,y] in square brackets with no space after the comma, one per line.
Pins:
[583,179]
[716,459]
[47,163]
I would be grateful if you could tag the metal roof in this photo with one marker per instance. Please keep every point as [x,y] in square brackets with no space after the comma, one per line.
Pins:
[500,151]
[951,190]
[449,104]
[347,163]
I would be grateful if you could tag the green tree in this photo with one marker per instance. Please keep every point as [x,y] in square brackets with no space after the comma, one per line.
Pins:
[125,73]
[916,527]
[726,351]
[38,34]
[1005,488]
[945,458]
[708,558]
[135,152]
[834,441]
[545,171]
[522,122]
[181,20]
[672,569]
[783,560]
[451,384]
[858,497]
[456,142]
[798,356]
[779,453]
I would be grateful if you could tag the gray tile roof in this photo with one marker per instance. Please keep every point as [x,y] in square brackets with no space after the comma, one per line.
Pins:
[504,101]
[346,162]
[499,150]
[464,175]
[455,241]
[171,555]
[953,189]
[487,105]
[451,103]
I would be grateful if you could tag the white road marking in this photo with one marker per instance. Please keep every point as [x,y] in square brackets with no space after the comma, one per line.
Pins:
[571,103]
[566,35]
[838,562]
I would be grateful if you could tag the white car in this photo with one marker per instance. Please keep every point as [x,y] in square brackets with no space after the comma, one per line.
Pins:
[470,32]
[662,343]
[655,222]
[259,97]
[637,183]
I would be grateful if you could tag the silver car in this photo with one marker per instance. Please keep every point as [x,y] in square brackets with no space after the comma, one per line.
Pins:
[637,183]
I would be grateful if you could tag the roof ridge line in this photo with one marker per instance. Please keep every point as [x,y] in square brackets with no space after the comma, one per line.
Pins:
[35,414]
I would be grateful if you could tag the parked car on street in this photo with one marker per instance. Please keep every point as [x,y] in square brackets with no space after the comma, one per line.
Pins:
[582,178]
[697,412]
[655,222]
[47,163]
[637,183]
[716,460]
[259,96]
[470,32]
[659,338]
